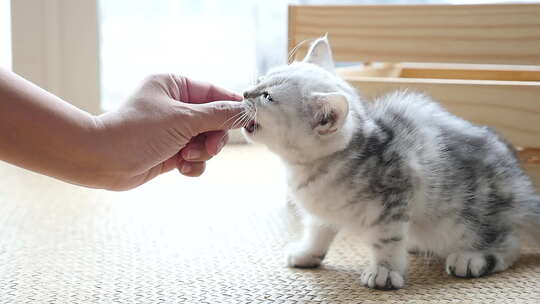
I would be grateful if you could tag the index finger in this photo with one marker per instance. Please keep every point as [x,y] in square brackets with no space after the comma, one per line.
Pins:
[195,91]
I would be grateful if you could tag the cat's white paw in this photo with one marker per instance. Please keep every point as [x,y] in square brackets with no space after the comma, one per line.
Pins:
[303,258]
[470,264]
[380,277]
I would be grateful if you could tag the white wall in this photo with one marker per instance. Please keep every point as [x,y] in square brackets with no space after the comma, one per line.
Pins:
[55,44]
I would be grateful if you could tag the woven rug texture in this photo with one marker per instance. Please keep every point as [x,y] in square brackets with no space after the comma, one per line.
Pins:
[217,239]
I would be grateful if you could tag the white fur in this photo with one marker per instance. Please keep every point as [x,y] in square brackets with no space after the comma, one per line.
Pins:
[288,126]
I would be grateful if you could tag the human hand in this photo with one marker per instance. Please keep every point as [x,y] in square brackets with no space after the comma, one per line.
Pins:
[170,122]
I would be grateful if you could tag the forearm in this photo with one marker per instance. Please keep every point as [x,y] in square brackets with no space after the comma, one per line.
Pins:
[119,150]
[42,133]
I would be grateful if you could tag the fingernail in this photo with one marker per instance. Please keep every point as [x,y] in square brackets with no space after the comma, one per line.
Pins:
[185,168]
[193,154]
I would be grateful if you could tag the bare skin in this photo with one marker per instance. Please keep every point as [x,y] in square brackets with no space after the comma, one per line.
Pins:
[170,122]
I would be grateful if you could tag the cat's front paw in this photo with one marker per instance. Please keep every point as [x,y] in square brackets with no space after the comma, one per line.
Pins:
[470,264]
[299,257]
[380,277]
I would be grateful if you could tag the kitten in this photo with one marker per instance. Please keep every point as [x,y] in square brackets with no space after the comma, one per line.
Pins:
[402,172]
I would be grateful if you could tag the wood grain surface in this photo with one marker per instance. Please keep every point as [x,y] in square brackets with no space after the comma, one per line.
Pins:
[498,33]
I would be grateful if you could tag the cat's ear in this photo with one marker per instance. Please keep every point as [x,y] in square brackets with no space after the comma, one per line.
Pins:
[320,54]
[331,110]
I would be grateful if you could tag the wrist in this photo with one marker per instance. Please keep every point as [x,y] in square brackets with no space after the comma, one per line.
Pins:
[105,161]
[85,154]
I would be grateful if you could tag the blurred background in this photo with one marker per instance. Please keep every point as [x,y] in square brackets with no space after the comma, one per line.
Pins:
[229,43]
[226,42]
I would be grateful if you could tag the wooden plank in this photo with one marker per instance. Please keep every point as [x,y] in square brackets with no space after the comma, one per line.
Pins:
[512,108]
[533,170]
[385,70]
[498,33]
[446,71]
[472,72]
[531,164]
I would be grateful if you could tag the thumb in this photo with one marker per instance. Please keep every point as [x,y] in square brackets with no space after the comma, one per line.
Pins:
[218,115]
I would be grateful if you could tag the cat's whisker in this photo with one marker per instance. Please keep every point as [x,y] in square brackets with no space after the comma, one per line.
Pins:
[239,120]
[245,119]
[231,118]
[251,115]
[295,49]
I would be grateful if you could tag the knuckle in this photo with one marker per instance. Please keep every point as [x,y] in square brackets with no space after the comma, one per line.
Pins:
[156,78]
[164,81]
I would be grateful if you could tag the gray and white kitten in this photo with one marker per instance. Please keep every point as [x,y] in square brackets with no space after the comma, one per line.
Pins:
[401,171]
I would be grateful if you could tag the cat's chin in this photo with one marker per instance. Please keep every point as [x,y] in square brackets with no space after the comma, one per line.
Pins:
[249,136]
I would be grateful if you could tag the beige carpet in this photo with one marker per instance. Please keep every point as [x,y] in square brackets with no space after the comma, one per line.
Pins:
[217,239]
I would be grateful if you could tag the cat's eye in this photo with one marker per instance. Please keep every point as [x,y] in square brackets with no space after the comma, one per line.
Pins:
[267,96]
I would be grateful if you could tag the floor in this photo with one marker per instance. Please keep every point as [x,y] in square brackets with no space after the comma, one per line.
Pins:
[214,239]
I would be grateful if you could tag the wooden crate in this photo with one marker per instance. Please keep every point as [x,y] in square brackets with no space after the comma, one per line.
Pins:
[482,62]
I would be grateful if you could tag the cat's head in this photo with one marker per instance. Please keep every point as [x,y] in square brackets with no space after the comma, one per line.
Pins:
[302,111]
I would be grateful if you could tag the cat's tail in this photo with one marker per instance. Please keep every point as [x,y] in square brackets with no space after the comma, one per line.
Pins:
[530,222]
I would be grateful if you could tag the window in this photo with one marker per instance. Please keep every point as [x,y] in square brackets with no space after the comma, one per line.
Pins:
[207,40]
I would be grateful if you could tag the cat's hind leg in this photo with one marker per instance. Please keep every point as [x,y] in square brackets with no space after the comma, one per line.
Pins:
[475,263]
[311,249]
